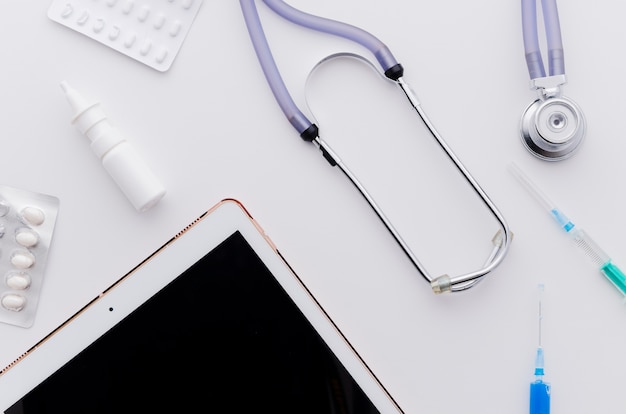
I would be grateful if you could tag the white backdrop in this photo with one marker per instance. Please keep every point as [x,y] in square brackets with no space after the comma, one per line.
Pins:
[210,129]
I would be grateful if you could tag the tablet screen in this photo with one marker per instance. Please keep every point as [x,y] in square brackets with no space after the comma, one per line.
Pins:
[222,337]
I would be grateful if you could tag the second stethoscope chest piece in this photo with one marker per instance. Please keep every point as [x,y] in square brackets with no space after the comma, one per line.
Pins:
[553,126]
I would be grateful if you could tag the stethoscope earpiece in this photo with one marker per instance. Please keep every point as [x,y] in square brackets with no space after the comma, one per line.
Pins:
[553,128]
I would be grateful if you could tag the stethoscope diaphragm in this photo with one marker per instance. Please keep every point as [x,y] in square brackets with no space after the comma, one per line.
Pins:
[552,129]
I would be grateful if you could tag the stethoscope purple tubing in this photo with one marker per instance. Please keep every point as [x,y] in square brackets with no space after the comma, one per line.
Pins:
[298,120]
[532,50]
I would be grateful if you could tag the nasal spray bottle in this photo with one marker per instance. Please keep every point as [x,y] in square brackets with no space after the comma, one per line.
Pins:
[118,156]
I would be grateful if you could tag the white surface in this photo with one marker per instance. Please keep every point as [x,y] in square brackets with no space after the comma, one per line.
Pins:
[210,129]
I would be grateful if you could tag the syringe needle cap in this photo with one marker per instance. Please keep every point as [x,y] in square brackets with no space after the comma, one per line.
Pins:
[539,362]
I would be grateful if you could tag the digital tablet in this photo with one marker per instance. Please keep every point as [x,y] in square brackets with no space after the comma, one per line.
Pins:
[213,321]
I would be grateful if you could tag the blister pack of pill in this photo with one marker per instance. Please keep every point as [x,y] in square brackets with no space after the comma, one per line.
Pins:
[150,31]
[27,222]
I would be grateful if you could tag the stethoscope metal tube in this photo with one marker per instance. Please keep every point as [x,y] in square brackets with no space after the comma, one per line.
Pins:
[309,131]
[553,126]
[443,283]
[501,240]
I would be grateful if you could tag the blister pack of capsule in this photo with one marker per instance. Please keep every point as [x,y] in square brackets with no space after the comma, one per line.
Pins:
[150,31]
[27,222]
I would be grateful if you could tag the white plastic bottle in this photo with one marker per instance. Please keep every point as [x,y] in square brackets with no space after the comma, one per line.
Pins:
[118,156]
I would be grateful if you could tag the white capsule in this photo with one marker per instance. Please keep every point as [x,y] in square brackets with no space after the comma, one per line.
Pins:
[145,47]
[22,259]
[18,280]
[26,237]
[161,55]
[99,25]
[159,21]
[115,32]
[130,40]
[128,6]
[175,28]
[13,302]
[67,11]
[144,12]
[33,215]
[83,18]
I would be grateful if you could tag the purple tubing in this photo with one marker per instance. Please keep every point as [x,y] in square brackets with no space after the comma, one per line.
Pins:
[272,74]
[380,51]
[531,42]
[275,81]
[553,34]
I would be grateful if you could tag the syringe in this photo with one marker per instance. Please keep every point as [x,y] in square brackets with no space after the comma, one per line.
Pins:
[580,237]
[539,390]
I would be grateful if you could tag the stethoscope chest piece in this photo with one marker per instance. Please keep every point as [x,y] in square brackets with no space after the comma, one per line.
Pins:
[553,128]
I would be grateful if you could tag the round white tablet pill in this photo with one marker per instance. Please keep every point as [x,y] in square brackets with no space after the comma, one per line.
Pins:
[26,237]
[33,215]
[18,280]
[13,302]
[22,259]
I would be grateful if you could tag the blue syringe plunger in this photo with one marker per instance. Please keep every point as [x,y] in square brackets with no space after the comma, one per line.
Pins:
[539,397]
[539,390]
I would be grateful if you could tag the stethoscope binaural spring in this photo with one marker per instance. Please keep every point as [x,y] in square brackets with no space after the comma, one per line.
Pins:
[310,132]
[553,126]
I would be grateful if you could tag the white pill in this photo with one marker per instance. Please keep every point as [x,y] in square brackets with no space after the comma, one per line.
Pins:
[175,28]
[161,55]
[99,25]
[18,281]
[159,21]
[144,12]
[22,259]
[33,215]
[145,47]
[115,32]
[83,18]
[130,40]
[13,302]
[27,237]
[128,6]
[5,207]
[67,11]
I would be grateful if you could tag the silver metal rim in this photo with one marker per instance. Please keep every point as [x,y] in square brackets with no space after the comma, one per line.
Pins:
[552,150]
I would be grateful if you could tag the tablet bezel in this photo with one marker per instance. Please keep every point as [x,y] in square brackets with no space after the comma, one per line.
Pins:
[151,275]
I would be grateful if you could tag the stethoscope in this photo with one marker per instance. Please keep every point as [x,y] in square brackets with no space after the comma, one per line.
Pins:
[309,131]
[552,126]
